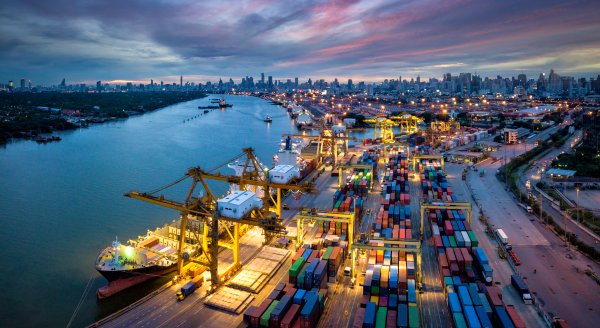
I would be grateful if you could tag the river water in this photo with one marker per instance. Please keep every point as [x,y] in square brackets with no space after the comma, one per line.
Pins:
[61,203]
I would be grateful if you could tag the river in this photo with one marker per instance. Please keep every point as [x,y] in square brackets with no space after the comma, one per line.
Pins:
[61,203]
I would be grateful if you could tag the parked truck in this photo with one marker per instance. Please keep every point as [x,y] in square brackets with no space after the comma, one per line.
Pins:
[503,239]
[521,287]
[190,287]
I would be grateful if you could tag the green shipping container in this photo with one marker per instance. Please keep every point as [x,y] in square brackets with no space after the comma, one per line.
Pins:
[452,241]
[381,317]
[474,241]
[413,316]
[327,254]
[295,268]
[375,290]
[337,205]
[459,321]
[264,319]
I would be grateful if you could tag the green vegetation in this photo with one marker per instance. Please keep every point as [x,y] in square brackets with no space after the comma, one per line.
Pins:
[587,218]
[509,171]
[583,160]
[25,114]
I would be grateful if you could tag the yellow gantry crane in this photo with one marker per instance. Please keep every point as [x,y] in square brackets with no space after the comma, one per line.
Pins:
[253,175]
[383,131]
[407,123]
[328,143]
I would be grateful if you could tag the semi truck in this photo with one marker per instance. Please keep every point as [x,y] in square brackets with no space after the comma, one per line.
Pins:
[481,172]
[503,239]
[521,288]
[190,287]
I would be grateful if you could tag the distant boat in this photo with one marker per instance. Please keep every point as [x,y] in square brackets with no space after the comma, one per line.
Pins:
[268,119]
[205,111]
[223,103]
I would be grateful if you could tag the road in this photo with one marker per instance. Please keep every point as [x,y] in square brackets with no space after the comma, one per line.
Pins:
[532,174]
[502,270]
[560,274]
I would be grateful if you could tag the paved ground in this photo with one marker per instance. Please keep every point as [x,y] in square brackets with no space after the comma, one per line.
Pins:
[502,270]
[559,284]
[589,199]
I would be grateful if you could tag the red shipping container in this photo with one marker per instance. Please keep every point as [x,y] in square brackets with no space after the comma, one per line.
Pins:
[514,316]
[291,316]
[467,257]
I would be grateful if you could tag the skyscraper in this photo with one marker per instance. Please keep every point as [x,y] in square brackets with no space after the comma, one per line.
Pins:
[262,78]
[22,84]
[296,83]
[270,83]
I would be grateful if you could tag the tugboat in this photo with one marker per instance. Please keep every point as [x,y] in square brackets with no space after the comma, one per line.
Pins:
[268,119]
[224,104]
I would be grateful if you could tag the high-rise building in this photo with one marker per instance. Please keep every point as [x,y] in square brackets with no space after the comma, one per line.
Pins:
[270,83]
[295,83]
[262,78]
[22,84]
[98,85]
[63,83]
[11,85]
[181,81]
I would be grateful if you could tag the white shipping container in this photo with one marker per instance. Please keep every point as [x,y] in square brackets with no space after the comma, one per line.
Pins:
[238,203]
[283,173]
[465,236]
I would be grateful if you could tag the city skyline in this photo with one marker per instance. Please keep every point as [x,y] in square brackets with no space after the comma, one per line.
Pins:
[364,41]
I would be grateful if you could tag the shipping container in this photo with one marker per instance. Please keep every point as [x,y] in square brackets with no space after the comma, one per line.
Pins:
[502,318]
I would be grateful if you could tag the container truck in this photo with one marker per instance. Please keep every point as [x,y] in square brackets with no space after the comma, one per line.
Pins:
[481,172]
[503,238]
[186,290]
[521,287]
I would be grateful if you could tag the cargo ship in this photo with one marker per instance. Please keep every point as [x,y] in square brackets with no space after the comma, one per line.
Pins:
[148,257]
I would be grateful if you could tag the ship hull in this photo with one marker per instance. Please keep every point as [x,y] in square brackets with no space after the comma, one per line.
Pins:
[120,280]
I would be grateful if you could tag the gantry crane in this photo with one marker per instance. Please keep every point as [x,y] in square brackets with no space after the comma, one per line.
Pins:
[205,208]
[382,130]
[328,142]
[406,122]
[313,214]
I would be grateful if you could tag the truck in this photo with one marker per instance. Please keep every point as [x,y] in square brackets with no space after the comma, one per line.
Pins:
[189,287]
[481,172]
[503,238]
[521,288]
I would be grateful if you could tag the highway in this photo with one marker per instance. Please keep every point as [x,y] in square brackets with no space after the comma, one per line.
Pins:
[559,270]
[532,174]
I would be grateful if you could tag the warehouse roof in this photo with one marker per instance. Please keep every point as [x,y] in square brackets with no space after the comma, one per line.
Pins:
[561,172]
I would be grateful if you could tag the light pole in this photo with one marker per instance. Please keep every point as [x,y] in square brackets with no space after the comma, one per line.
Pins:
[577,209]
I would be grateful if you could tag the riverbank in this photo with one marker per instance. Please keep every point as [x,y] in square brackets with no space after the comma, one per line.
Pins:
[27,115]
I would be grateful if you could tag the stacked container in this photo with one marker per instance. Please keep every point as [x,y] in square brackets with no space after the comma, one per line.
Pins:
[389,287]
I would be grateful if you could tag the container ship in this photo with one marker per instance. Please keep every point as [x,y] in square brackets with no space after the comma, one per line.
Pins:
[148,257]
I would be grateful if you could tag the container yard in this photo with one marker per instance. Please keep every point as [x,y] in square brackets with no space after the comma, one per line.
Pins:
[356,259]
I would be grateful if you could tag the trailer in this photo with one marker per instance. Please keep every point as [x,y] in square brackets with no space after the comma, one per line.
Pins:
[521,287]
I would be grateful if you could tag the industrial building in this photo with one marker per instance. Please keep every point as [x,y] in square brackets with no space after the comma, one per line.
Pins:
[238,203]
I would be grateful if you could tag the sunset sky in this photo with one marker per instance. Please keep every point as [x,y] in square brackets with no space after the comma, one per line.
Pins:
[138,40]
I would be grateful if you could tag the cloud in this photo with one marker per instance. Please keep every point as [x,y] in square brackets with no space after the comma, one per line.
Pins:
[141,39]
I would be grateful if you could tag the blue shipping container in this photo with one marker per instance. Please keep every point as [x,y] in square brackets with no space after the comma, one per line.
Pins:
[402,319]
[503,318]
[453,303]
[483,317]
[471,316]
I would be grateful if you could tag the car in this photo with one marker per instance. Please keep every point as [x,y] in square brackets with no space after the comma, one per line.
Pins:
[347,271]
[285,207]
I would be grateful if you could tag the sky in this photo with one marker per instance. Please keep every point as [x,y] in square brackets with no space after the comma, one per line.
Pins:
[138,40]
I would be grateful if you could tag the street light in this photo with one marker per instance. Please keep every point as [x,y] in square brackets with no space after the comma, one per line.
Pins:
[577,209]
